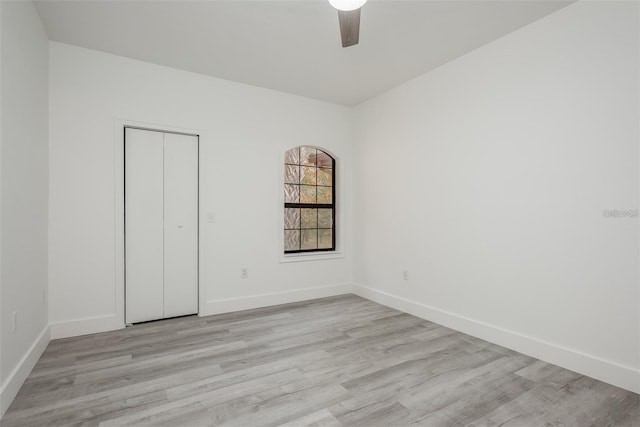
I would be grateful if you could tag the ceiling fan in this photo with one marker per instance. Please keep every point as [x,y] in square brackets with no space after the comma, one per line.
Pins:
[349,18]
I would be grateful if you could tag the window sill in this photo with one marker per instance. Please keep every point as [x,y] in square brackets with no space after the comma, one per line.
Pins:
[314,256]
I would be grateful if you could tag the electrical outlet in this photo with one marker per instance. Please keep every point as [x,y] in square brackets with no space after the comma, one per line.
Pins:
[244,273]
[405,275]
[14,321]
[211,218]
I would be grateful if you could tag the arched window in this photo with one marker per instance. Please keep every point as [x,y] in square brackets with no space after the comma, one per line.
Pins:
[309,200]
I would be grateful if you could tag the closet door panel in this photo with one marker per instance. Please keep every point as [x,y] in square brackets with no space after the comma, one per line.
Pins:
[143,225]
[181,225]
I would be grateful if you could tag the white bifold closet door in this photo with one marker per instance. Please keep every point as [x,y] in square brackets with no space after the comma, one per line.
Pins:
[161,225]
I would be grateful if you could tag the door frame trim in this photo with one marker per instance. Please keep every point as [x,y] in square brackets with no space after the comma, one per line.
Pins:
[119,240]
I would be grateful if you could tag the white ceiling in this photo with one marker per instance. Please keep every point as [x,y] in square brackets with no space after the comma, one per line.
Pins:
[291,46]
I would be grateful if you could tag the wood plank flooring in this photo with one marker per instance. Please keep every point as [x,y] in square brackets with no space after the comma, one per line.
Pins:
[339,361]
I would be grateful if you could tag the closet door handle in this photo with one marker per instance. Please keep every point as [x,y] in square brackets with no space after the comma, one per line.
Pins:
[180,226]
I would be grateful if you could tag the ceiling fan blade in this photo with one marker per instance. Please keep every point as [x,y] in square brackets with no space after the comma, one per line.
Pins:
[349,27]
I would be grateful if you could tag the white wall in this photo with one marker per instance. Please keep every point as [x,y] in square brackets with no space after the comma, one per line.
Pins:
[245,132]
[487,178]
[23,193]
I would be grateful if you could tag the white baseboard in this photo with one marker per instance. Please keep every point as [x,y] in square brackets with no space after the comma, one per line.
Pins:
[608,371]
[266,300]
[112,322]
[16,378]
[89,325]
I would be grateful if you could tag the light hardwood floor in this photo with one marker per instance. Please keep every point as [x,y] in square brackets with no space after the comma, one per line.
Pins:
[327,362]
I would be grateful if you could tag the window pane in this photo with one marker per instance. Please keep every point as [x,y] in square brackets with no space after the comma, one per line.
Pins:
[310,239]
[307,194]
[324,195]
[291,193]
[292,174]
[325,218]
[292,156]
[325,177]
[291,218]
[324,239]
[323,160]
[308,175]
[309,218]
[308,156]
[292,240]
